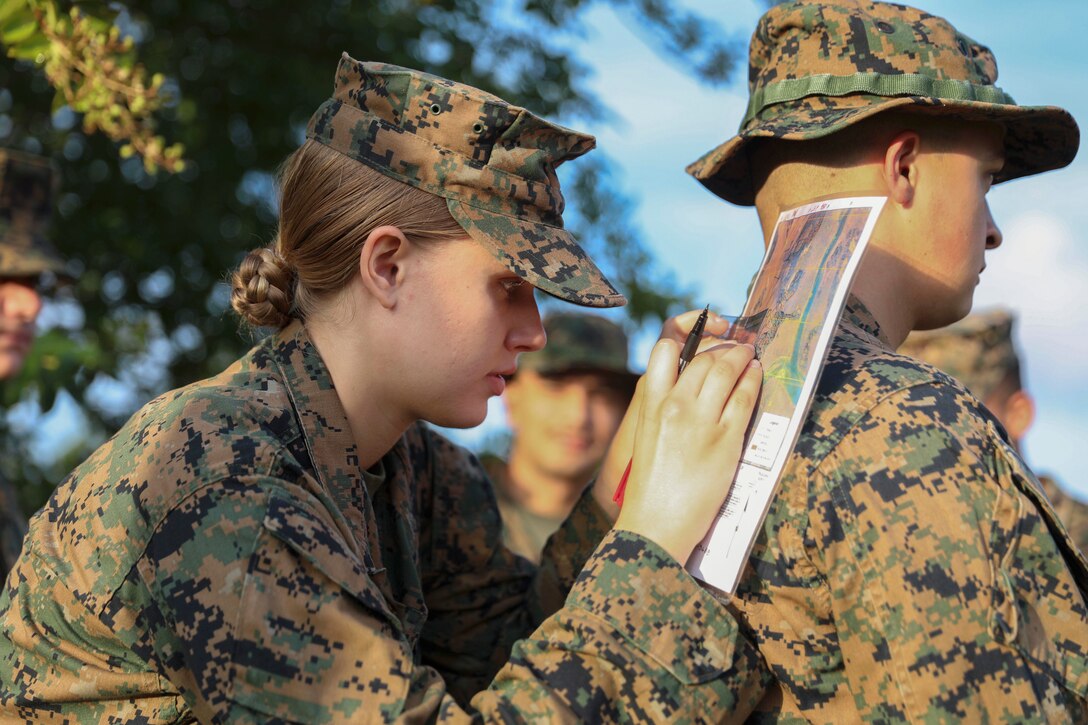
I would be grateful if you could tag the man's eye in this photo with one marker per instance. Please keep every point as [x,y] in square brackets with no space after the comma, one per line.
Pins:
[513,283]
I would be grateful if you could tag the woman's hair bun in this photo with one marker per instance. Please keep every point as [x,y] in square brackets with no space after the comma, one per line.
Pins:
[263,289]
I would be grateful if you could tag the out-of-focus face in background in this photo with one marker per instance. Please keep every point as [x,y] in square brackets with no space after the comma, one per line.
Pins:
[27,185]
[19,308]
[563,422]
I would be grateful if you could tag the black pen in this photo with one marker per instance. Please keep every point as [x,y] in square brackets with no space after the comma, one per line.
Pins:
[691,345]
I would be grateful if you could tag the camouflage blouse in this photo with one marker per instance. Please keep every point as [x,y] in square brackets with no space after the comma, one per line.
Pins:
[911,568]
[1072,511]
[224,559]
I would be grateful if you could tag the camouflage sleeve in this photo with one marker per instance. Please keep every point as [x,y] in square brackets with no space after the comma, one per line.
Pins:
[943,569]
[568,550]
[1072,512]
[481,598]
[638,641]
[257,611]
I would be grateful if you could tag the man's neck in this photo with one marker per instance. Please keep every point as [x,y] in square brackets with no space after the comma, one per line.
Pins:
[539,492]
[880,284]
[889,316]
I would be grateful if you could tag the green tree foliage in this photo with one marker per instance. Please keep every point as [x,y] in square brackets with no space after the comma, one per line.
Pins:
[92,66]
[148,307]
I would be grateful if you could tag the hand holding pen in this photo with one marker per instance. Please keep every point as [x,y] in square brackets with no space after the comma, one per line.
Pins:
[686,434]
[687,354]
[677,329]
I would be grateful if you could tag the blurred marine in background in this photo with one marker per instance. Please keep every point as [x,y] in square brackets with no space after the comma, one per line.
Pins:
[26,185]
[979,352]
[563,407]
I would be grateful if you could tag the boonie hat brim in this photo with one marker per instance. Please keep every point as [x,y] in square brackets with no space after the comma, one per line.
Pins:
[1037,138]
[816,67]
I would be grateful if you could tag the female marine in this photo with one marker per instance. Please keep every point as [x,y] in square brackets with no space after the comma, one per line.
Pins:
[288,541]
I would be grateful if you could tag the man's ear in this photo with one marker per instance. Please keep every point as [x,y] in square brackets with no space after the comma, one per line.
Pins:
[1019,414]
[900,170]
[381,264]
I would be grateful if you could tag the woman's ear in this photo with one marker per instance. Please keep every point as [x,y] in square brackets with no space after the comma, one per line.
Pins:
[901,170]
[381,264]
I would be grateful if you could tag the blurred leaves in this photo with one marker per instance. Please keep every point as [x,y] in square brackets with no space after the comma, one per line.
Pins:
[91,64]
[603,223]
[56,360]
[148,307]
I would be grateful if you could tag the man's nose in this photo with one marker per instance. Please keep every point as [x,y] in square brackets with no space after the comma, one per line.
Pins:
[993,234]
[576,405]
[19,301]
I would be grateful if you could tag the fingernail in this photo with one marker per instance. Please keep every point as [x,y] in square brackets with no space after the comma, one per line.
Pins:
[754,364]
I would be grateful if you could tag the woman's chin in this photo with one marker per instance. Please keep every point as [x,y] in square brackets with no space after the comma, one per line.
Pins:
[463,418]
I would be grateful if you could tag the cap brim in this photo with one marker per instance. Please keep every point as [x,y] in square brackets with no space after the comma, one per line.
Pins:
[30,262]
[1037,138]
[547,257]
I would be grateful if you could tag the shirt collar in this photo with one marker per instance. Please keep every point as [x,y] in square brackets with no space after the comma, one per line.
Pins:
[858,316]
[329,440]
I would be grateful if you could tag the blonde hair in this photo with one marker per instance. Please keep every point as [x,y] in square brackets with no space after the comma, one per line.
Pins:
[329,203]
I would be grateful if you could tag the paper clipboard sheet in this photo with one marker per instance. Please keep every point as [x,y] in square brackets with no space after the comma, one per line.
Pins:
[790,317]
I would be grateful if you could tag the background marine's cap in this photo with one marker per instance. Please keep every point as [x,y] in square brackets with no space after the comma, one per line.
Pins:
[978,350]
[494,163]
[815,68]
[26,207]
[580,343]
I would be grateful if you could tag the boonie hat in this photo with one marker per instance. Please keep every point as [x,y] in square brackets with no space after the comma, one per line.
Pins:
[978,350]
[493,162]
[815,68]
[579,342]
[26,207]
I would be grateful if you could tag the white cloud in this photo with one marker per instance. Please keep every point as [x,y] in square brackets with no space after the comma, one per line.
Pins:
[1040,272]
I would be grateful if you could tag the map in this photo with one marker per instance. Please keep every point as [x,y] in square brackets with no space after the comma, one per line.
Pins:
[790,317]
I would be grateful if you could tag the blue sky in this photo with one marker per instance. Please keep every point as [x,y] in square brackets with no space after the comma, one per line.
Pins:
[664,119]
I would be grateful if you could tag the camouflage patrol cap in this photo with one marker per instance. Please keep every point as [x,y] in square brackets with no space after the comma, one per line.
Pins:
[26,206]
[580,342]
[493,162]
[815,68]
[978,350]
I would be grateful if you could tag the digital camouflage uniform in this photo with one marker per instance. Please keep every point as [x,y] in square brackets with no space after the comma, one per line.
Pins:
[1072,511]
[26,186]
[523,532]
[910,568]
[979,352]
[221,558]
[224,558]
[576,343]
